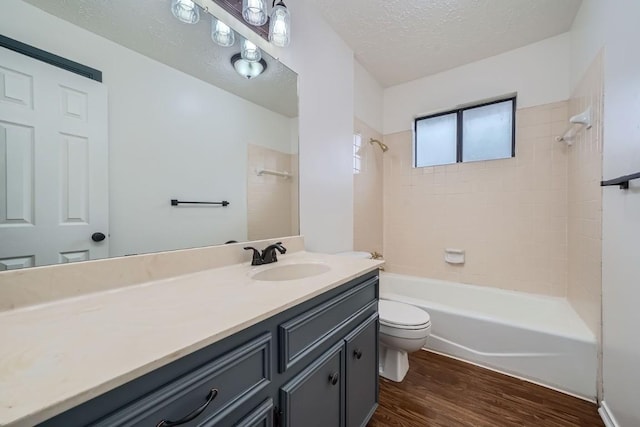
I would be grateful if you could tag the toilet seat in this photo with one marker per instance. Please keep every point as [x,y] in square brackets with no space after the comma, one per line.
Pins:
[409,334]
[402,316]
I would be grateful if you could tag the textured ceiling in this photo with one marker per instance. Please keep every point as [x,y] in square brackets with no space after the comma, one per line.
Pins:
[148,27]
[402,40]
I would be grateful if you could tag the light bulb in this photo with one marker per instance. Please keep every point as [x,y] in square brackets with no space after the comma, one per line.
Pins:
[280,25]
[246,69]
[250,51]
[254,12]
[221,33]
[186,11]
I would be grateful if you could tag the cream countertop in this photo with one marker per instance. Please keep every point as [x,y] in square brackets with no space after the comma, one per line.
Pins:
[60,354]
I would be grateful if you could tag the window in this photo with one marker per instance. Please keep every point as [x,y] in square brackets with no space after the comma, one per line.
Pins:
[480,132]
[357,158]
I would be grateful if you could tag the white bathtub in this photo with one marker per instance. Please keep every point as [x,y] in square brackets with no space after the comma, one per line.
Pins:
[538,338]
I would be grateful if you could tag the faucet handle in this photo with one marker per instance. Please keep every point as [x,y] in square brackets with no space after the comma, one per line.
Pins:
[256,259]
[269,253]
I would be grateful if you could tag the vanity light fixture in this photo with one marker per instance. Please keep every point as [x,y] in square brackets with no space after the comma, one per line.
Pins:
[250,51]
[254,12]
[280,25]
[186,11]
[221,33]
[248,69]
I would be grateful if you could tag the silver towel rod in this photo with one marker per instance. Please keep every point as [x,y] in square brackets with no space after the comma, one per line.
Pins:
[283,174]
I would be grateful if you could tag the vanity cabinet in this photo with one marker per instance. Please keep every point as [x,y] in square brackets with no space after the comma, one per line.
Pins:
[315,364]
[340,387]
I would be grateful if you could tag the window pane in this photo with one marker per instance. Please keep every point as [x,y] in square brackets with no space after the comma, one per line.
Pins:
[487,132]
[357,147]
[436,140]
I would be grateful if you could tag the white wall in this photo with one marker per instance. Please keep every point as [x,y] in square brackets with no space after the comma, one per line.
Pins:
[170,136]
[538,72]
[369,98]
[587,37]
[621,213]
[324,64]
[613,25]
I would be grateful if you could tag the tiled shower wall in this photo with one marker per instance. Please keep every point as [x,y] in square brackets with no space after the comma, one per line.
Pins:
[272,202]
[367,193]
[585,201]
[509,216]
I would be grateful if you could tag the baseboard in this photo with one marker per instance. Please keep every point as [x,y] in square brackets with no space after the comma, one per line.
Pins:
[510,374]
[606,415]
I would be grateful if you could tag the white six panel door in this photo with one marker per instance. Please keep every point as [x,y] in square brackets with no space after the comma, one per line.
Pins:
[53,164]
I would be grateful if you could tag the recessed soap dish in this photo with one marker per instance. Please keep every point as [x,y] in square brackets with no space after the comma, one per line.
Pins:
[454,256]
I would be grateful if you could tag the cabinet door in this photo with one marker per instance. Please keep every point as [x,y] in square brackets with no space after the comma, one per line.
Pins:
[362,373]
[315,397]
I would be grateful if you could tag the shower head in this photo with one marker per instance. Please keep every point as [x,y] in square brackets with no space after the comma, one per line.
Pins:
[382,145]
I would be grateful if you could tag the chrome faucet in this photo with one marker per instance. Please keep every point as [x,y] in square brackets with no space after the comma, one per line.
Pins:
[268,255]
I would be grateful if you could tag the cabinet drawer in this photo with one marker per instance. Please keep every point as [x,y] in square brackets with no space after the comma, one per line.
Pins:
[212,390]
[306,332]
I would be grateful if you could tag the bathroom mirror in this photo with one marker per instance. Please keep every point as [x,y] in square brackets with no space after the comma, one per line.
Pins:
[175,120]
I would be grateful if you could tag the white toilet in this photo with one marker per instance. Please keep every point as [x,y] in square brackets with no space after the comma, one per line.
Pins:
[403,330]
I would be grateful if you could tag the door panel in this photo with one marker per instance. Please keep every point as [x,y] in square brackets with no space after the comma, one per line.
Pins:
[16,88]
[16,263]
[314,397]
[53,164]
[74,168]
[67,257]
[362,372]
[17,183]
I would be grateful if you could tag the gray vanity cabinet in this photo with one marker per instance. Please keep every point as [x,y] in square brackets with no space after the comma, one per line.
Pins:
[339,387]
[315,364]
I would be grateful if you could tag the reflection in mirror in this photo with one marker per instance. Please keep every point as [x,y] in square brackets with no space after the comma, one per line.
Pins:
[88,169]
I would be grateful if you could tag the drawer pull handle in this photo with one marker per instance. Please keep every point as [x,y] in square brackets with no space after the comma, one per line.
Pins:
[193,415]
[333,379]
[357,353]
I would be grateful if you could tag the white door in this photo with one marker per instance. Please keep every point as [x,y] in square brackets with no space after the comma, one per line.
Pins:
[53,164]
[621,217]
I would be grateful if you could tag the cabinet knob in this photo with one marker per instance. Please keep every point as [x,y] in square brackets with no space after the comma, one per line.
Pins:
[357,353]
[333,379]
[193,415]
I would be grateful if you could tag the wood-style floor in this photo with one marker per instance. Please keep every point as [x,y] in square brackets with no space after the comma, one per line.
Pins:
[440,391]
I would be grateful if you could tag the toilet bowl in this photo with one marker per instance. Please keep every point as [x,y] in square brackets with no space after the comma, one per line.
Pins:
[403,330]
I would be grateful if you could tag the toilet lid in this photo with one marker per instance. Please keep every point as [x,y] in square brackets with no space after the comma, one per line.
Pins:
[399,314]
[361,255]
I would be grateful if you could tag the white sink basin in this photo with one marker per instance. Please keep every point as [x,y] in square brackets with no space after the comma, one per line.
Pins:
[291,272]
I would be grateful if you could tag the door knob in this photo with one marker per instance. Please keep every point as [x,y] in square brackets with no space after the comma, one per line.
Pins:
[98,237]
